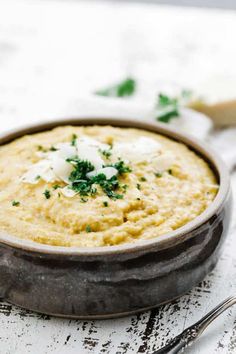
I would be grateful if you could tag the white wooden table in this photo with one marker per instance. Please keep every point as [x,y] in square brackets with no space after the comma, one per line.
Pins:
[53,54]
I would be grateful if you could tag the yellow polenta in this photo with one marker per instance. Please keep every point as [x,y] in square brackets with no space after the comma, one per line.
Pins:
[154,202]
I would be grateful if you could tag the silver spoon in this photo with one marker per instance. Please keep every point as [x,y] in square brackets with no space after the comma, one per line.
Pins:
[189,335]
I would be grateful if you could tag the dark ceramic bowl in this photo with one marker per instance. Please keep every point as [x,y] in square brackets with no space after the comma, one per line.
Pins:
[118,280]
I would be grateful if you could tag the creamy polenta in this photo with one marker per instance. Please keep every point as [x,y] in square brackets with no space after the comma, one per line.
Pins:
[100,186]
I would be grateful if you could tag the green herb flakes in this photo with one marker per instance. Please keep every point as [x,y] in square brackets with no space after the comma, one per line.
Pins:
[88,228]
[47,194]
[121,167]
[41,148]
[124,88]
[105,204]
[73,140]
[15,203]
[106,153]
[86,186]
[158,174]
[167,108]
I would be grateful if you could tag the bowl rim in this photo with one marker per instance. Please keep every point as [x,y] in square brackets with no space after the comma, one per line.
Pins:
[160,242]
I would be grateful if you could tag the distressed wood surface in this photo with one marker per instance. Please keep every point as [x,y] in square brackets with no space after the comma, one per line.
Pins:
[52,55]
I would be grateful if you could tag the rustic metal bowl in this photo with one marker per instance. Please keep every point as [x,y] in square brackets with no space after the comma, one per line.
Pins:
[116,280]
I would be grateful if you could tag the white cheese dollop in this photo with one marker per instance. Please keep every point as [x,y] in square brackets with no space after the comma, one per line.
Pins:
[41,169]
[164,161]
[68,192]
[109,172]
[61,168]
[138,150]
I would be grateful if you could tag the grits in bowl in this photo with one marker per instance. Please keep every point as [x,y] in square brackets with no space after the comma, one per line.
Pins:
[98,186]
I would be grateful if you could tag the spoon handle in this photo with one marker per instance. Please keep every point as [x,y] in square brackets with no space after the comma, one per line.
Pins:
[189,335]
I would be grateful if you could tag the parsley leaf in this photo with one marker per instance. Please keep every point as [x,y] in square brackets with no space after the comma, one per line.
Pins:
[124,88]
[73,140]
[167,108]
[88,228]
[121,167]
[47,194]
[158,174]
[15,203]
[106,153]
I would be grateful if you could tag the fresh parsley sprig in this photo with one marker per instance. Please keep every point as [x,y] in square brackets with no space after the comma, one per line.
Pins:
[168,107]
[124,88]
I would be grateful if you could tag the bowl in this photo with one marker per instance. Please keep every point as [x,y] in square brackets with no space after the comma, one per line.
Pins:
[112,281]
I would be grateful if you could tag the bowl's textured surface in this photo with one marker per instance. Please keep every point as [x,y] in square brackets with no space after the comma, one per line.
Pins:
[121,280]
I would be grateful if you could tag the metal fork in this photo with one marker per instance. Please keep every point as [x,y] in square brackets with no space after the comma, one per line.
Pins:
[189,335]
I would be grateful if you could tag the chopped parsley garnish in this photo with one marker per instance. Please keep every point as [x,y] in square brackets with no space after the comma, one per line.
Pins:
[143,179]
[138,186]
[158,174]
[167,108]
[109,186]
[138,198]
[86,186]
[124,88]
[170,172]
[121,167]
[88,228]
[81,168]
[15,203]
[124,187]
[52,148]
[41,148]
[106,153]
[105,204]
[47,194]
[37,177]
[73,140]
[56,186]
